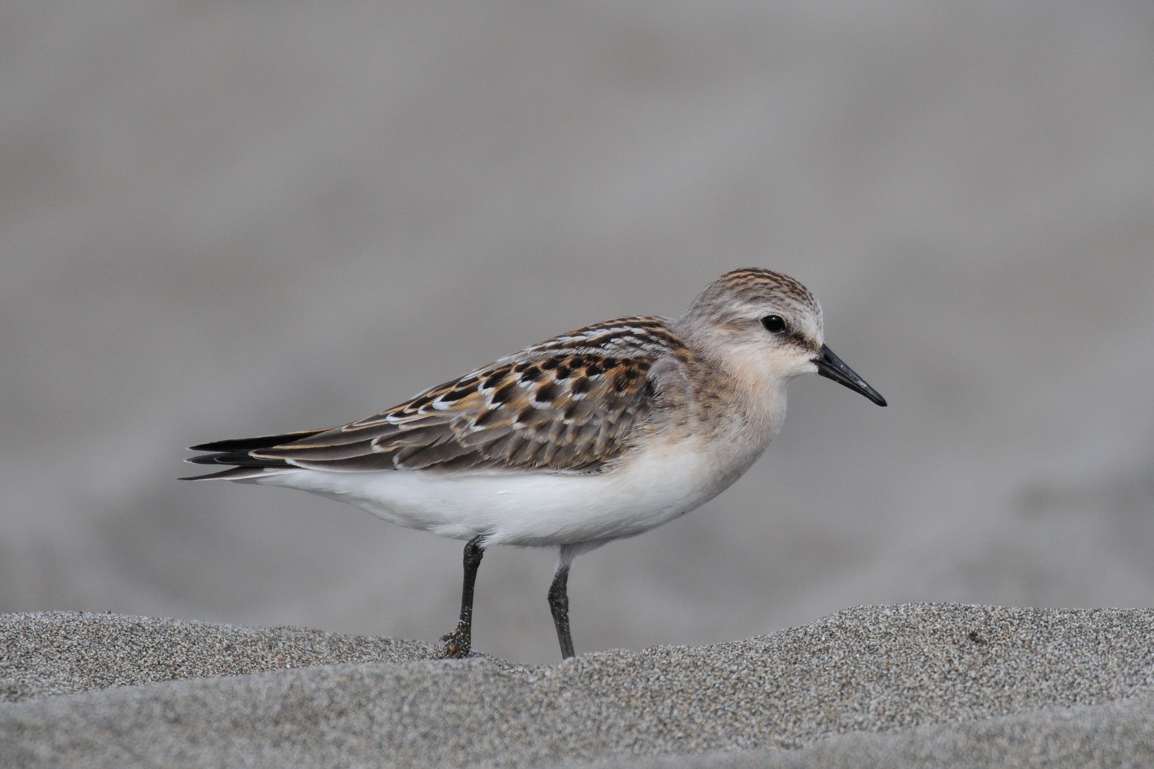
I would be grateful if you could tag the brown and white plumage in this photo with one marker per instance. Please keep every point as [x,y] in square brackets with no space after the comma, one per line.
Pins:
[597,434]
[571,403]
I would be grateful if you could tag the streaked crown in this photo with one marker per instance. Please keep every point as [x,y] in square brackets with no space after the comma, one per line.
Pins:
[749,293]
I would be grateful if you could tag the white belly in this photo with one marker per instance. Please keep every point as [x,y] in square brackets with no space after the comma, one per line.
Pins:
[537,509]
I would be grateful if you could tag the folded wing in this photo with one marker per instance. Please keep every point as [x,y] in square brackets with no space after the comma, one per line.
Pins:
[571,403]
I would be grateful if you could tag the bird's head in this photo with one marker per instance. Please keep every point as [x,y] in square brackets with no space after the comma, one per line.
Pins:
[766,328]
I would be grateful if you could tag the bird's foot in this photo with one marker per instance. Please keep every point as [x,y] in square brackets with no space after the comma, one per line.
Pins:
[456,643]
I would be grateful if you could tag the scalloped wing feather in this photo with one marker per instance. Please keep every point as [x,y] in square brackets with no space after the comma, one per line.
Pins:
[570,403]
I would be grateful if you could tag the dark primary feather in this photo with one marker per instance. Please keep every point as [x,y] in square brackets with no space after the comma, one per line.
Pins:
[569,403]
[231,474]
[235,453]
[248,444]
[239,458]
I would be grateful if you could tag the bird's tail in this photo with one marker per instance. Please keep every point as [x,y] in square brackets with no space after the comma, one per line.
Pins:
[237,452]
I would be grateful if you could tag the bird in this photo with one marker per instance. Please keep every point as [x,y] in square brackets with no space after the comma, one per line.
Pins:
[598,434]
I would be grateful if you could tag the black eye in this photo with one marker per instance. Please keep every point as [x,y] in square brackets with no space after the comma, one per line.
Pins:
[774,324]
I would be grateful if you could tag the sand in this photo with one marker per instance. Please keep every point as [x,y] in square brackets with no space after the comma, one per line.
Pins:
[909,685]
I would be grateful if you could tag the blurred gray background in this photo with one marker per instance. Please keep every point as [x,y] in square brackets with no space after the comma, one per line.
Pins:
[220,219]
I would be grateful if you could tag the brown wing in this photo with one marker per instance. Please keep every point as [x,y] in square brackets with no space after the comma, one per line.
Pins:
[570,403]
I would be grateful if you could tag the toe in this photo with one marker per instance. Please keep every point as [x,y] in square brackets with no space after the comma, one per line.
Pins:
[455,646]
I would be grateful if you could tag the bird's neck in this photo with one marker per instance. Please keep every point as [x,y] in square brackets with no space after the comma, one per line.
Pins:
[737,400]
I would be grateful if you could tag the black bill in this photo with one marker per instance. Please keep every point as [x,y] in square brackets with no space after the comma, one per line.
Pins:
[832,367]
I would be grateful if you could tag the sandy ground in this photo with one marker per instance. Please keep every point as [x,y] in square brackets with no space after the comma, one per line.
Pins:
[908,685]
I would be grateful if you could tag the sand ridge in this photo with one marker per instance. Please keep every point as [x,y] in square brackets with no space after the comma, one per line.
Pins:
[284,696]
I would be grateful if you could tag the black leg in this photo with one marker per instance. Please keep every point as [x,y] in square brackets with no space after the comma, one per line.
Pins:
[559,605]
[458,642]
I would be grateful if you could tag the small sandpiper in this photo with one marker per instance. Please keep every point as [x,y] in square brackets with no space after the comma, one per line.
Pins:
[594,435]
